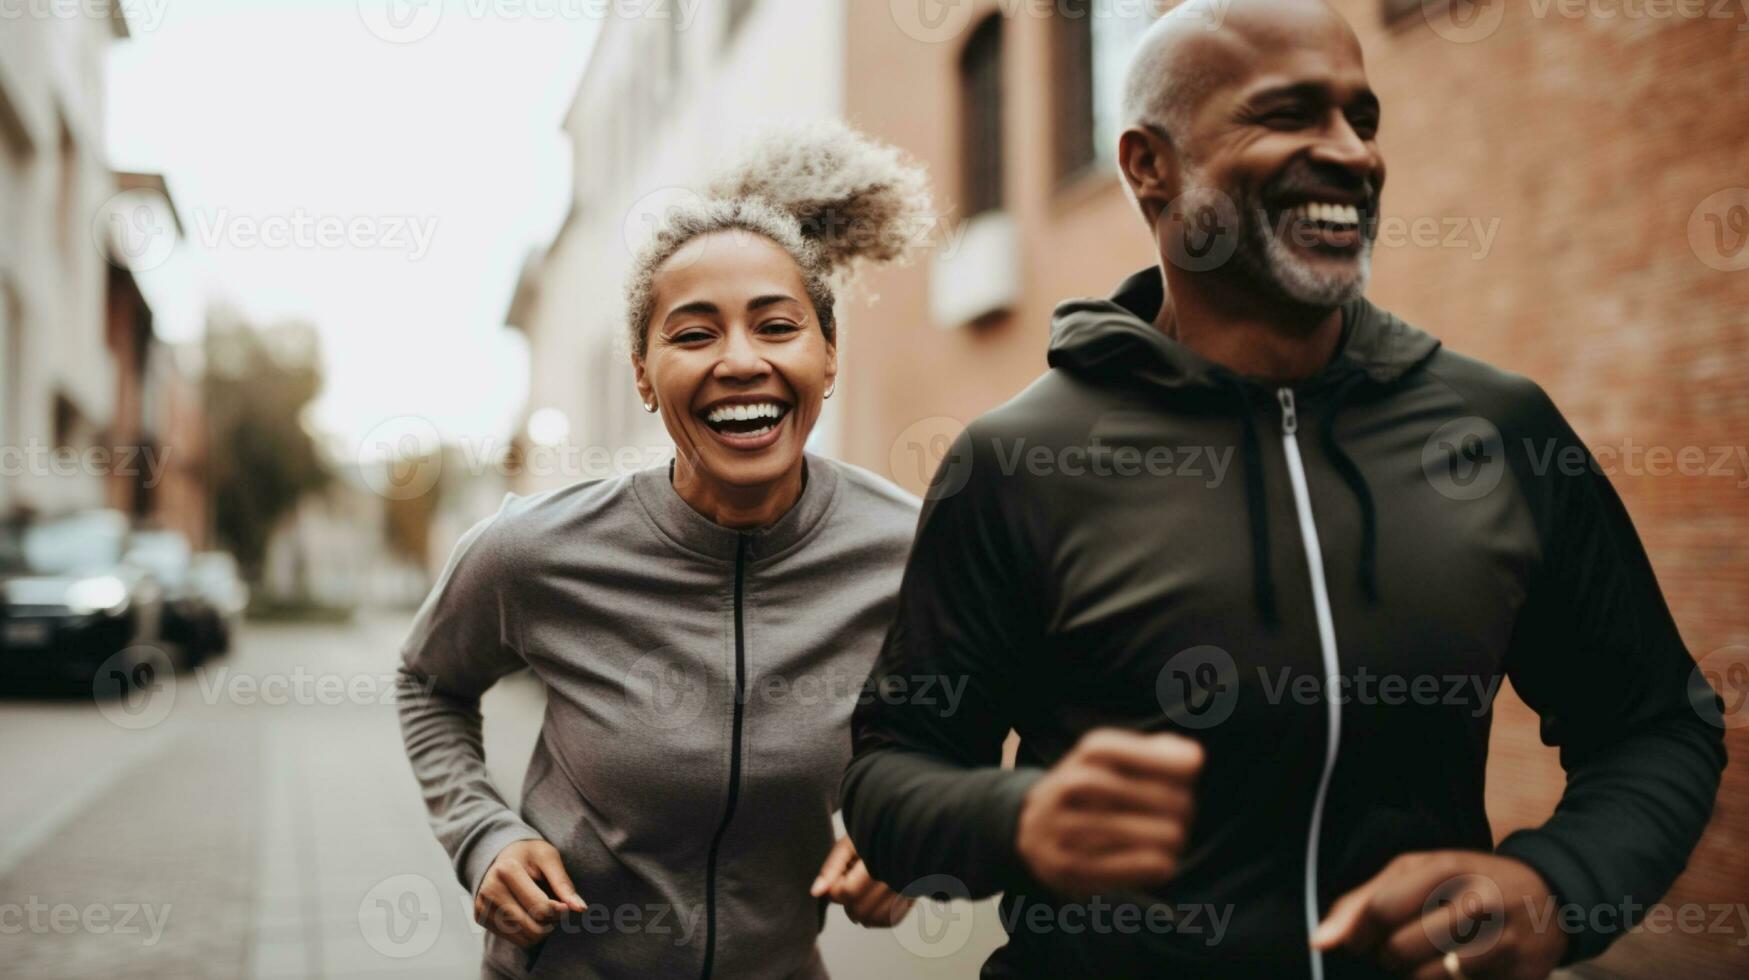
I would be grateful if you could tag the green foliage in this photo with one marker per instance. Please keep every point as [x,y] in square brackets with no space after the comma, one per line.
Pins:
[261,461]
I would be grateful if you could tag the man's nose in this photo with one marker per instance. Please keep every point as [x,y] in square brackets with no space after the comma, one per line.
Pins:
[1342,147]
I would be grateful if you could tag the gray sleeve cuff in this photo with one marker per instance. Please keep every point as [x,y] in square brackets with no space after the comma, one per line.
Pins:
[476,859]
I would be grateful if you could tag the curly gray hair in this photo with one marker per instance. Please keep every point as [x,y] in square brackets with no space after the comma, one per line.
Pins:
[829,196]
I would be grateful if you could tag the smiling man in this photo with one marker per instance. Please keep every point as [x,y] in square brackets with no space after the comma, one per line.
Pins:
[1271,697]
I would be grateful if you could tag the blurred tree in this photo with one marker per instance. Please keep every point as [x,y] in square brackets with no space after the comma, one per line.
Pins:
[261,459]
[408,519]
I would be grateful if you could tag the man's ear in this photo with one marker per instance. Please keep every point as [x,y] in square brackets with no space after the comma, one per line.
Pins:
[1150,168]
[831,365]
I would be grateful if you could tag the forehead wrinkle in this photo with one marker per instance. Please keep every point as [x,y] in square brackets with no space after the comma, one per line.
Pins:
[1183,63]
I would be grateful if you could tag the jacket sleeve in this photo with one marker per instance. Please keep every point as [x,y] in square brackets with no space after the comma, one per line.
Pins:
[1597,654]
[460,643]
[925,794]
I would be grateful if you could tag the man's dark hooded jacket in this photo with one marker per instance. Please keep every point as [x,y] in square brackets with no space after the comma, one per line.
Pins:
[1144,539]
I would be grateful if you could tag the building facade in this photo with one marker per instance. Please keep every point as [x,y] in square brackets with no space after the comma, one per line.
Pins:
[1566,200]
[58,384]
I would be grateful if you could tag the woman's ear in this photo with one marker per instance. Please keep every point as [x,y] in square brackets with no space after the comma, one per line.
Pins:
[1150,169]
[646,390]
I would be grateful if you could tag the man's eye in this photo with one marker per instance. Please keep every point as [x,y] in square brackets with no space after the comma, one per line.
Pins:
[1287,117]
[1365,125]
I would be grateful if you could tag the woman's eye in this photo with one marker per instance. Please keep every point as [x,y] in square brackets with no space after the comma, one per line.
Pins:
[779,326]
[689,337]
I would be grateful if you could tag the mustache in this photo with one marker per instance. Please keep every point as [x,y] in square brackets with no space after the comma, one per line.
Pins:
[1305,181]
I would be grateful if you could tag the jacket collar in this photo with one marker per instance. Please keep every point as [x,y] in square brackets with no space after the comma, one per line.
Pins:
[689,529]
[1116,337]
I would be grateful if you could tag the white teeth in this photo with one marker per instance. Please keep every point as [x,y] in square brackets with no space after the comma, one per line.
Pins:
[1334,214]
[745,413]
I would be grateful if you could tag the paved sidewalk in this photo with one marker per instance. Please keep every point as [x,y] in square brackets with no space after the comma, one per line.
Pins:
[259,820]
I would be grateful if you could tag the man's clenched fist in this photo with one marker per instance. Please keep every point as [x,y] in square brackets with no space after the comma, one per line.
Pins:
[1114,813]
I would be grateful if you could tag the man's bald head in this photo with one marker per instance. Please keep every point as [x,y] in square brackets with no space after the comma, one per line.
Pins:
[1202,46]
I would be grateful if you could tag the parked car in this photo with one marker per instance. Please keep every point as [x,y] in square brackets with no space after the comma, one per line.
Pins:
[191,621]
[71,602]
[217,578]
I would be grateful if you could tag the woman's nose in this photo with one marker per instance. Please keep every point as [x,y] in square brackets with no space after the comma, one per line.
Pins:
[741,358]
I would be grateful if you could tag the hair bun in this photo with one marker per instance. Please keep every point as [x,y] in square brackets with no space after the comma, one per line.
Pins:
[855,198]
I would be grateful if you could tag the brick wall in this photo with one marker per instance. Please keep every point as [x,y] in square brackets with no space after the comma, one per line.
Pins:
[1574,155]
[1590,143]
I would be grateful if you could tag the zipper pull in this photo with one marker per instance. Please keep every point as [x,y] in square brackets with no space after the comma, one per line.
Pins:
[1290,419]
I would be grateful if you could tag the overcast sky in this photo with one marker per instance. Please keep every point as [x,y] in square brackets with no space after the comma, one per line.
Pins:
[363,165]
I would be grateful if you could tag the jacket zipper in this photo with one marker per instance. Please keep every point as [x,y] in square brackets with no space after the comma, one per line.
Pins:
[710,874]
[1290,427]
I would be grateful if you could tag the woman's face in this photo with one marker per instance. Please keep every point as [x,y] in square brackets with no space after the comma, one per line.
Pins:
[735,359]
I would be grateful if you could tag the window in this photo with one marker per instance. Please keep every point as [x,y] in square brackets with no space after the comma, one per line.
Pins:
[981,114]
[1093,44]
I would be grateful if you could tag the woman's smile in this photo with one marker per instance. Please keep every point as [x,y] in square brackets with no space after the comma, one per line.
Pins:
[746,423]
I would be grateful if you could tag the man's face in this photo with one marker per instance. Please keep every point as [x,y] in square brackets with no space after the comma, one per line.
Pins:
[1291,140]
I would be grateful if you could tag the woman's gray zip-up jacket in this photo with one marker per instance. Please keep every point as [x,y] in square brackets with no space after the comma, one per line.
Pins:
[699,682]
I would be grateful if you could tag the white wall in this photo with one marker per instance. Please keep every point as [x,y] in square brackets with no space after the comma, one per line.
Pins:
[51,75]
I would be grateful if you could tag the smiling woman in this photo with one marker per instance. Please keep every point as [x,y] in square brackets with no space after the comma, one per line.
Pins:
[730,308]
[668,611]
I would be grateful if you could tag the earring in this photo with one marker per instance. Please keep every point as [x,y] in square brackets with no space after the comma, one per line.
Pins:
[650,407]
[830,389]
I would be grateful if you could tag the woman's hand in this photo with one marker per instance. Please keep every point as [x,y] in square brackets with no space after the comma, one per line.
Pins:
[1495,913]
[511,902]
[866,901]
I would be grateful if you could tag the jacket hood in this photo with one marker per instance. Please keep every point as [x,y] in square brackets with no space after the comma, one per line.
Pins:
[1116,337]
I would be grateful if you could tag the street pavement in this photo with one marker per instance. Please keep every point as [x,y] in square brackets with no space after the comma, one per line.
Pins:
[257,819]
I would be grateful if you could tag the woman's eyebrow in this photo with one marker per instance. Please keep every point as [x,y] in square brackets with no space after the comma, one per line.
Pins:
[761,302]
[705,307]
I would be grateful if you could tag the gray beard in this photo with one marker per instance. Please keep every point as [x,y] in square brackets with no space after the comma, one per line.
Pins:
[1271,263]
